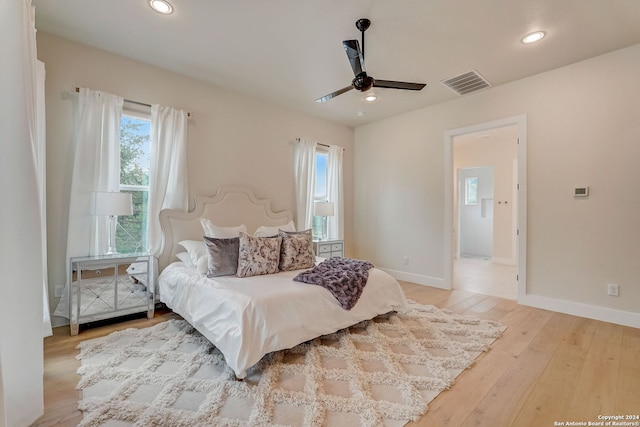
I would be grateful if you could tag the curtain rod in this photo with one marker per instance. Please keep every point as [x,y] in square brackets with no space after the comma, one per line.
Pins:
[133,102]
[323,145]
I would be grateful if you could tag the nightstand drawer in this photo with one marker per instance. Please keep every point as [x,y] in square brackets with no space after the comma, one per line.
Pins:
[329,248]
[87,272]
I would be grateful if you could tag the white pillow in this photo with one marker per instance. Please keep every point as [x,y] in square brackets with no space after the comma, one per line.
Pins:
[185,258]
[195,248]
[203,265]
[218,232]
[265,231]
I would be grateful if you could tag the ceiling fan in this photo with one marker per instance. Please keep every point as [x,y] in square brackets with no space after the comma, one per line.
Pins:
[362,81]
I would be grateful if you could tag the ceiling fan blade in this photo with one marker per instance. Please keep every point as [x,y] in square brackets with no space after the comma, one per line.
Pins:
[334,94]
[398,85]
[352,47]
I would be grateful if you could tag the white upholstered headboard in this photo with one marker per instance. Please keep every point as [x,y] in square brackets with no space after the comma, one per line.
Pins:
[230,206]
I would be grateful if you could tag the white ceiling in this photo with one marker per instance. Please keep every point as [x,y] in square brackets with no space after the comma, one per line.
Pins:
[290,51]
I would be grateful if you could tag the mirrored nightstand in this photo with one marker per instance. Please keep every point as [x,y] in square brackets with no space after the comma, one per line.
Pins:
[108,286]
[328,248]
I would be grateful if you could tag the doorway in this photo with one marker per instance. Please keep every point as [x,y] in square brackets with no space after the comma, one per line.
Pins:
[485,209]
[475,212]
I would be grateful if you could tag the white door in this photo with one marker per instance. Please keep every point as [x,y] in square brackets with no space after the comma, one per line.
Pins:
[475,210]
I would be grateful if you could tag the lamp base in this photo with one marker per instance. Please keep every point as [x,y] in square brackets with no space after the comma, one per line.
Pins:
[319,228]
[323,231]
[112,236]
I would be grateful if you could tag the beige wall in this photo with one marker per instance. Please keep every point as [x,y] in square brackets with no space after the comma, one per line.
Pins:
[583,128]
[234,139]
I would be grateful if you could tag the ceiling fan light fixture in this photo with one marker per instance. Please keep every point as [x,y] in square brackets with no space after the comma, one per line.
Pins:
[533,37]
[370,97]
[161,6]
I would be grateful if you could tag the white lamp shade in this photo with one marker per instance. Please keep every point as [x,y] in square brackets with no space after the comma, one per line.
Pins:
[105,203]
[323,209]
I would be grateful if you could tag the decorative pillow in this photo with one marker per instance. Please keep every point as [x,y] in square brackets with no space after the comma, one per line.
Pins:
[212,230]
[258,255]
[265,231]
[223,256]
[185,258]
[296,251]
[195,248]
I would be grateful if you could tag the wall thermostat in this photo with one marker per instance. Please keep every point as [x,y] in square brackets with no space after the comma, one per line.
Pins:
[581,192]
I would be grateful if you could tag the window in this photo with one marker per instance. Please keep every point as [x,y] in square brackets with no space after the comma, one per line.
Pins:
[471,191]
[320,193]
[135,158]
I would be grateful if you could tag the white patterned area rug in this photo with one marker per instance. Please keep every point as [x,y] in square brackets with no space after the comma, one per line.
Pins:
[379,372]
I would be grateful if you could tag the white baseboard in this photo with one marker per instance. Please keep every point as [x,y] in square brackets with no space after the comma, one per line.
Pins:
[619,317]
[416,278]
[604,314]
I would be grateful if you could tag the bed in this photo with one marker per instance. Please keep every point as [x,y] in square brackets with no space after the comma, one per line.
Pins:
[249,317]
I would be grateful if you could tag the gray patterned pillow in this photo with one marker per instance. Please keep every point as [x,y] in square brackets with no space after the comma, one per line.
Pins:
[258,255]
[223,256]
[296,251]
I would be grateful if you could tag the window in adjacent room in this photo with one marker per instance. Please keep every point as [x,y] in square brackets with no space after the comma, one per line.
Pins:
[135,157]
[320,193]
[471,191]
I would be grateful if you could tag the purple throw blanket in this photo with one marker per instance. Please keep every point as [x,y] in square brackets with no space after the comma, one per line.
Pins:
[345,278]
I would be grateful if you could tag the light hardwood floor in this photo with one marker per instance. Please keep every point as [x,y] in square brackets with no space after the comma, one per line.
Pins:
[483,276]
[547,368]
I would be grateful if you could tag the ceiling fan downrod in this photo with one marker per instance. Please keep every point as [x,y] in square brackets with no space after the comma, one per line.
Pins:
[362,25]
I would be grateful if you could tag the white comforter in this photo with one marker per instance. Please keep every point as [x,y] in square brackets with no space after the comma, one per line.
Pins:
[246,318]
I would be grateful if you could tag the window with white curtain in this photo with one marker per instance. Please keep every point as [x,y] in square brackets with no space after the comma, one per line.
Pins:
[135,158]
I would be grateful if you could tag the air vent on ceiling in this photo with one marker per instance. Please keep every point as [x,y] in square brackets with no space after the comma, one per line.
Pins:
[466,83]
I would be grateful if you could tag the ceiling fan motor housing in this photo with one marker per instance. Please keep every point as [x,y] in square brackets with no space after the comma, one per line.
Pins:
[363,82]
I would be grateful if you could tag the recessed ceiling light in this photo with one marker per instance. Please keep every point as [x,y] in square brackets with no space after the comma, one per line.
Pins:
[371,97]
[161,6]
[533,37]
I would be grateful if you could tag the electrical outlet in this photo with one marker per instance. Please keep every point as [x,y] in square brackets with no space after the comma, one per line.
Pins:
[406,260]
[613,289]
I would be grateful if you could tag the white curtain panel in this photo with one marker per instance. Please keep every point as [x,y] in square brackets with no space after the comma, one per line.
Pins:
[335,223]
[168,175]
[96,167]
[304,169]
[34,95]
[41,170]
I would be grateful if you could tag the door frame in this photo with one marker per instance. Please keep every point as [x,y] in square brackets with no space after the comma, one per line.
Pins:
[520,122]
